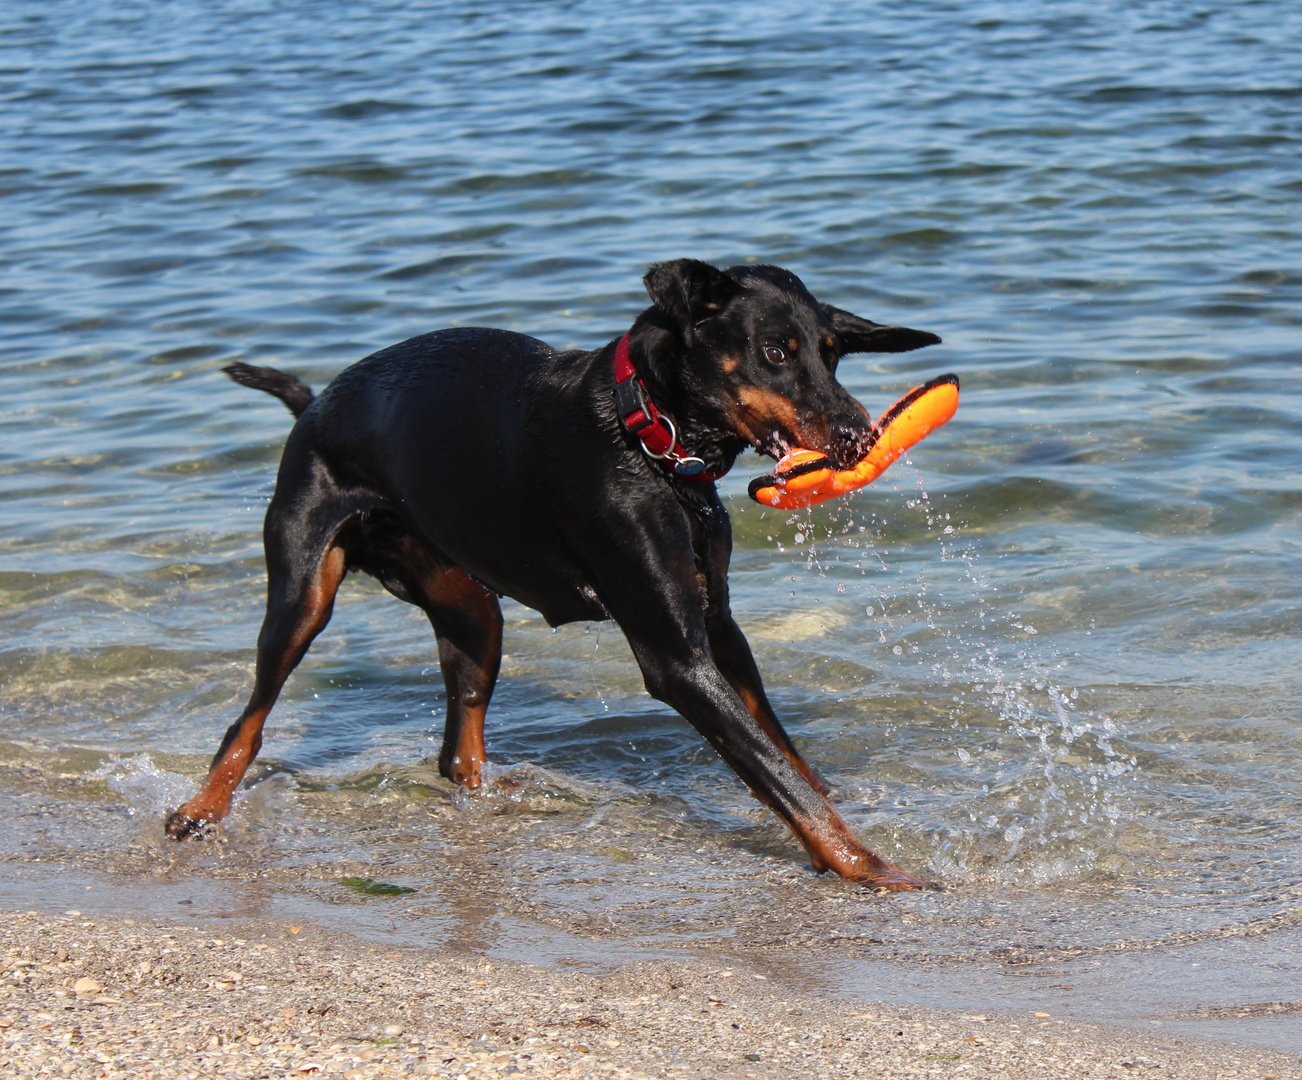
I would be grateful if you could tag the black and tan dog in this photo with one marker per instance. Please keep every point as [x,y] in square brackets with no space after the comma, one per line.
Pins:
[464,465]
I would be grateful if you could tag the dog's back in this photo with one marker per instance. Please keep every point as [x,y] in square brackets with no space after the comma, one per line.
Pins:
[472,439]
[429,410]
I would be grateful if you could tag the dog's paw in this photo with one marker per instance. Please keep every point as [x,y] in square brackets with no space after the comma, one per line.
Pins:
[181,826]
[465,770]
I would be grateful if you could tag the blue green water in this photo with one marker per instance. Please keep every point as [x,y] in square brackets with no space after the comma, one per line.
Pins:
[1053,662]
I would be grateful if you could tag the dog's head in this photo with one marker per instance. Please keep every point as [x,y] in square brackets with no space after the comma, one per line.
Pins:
[748,350]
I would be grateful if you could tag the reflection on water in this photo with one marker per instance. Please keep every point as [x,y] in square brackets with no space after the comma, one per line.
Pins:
[1051,663]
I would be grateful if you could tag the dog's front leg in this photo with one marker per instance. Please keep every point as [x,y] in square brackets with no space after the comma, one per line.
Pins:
[690,682]
[734,659]
[712,542]
[648,577]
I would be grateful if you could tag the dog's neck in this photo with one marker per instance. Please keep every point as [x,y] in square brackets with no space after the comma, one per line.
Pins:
[658,359]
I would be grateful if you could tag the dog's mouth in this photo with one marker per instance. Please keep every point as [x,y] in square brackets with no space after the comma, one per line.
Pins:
[849,442]
[844,444]
[774,425]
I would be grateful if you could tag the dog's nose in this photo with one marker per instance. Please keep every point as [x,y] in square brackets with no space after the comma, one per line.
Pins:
[849,440]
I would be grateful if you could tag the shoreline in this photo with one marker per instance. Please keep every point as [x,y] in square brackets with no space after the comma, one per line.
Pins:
[108,997]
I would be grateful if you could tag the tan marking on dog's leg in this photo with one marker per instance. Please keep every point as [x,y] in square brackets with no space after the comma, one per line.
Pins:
[467,622]
[765,718]
[832,846]
[466,763]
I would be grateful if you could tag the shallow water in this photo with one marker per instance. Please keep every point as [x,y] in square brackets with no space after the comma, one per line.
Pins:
[1052,662]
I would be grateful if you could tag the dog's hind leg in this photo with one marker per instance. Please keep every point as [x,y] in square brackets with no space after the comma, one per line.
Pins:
[305,564]
[467,622]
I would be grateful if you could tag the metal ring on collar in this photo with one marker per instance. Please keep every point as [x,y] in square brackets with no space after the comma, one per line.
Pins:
[673,440]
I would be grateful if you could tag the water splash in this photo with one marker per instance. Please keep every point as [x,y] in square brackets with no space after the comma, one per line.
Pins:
[148,791]
[1035,786]
[592,666]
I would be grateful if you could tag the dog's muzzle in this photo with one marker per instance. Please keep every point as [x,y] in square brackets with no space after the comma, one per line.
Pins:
[848,441]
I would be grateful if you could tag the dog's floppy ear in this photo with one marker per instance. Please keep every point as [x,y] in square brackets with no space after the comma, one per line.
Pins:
[688,290]
[863,335]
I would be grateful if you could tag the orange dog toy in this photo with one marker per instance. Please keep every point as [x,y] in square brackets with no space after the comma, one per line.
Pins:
[806,477]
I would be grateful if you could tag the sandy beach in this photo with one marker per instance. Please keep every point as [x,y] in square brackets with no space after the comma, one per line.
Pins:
[93,997]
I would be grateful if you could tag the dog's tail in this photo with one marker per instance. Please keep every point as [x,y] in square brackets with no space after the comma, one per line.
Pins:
[297,395]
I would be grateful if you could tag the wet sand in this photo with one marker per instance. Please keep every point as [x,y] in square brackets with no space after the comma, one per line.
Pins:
[97,997]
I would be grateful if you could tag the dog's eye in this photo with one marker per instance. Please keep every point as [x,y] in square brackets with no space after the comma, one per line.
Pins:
[774,355]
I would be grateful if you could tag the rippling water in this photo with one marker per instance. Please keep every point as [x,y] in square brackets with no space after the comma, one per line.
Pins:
[1053,661]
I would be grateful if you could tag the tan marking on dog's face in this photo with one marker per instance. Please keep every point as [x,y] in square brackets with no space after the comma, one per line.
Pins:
[760,412]
[729,364]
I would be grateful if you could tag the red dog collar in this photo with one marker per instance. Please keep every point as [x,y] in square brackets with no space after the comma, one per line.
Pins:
[655,430]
